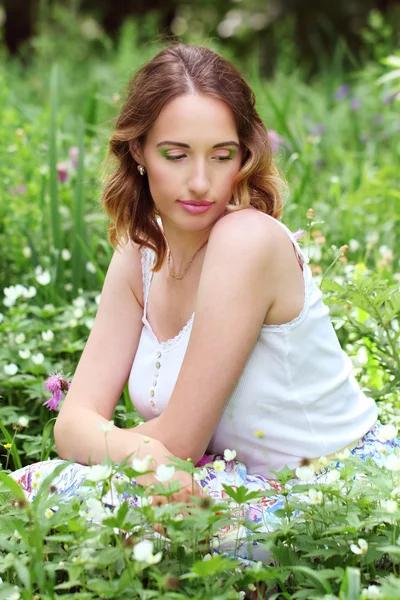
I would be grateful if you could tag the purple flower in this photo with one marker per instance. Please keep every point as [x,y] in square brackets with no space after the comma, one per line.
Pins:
[319,129]
[298,235]
[355,104]
[342,92]
[275,140]
[56,384]
[62,170]
[378,118]
[389,98]
[20,189]
[74,153]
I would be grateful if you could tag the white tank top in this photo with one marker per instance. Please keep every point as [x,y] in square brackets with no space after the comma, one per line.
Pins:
[296,397]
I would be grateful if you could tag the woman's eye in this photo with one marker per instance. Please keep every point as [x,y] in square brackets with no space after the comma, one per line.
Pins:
[219,158]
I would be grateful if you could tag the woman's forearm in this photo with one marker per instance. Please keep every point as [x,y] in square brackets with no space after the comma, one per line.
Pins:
[78,438]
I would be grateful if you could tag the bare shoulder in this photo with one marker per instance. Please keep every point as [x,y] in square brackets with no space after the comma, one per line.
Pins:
[253,229]
[129,257]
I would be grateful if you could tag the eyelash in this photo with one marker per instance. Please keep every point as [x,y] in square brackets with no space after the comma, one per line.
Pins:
[220,159]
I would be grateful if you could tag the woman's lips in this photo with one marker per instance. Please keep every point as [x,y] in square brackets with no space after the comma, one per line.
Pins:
[195,209]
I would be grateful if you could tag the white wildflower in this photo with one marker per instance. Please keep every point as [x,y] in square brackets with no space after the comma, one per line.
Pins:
[99,473]
[315,496]
[229,455]
[360,548]
[371,593]
[390,506]
[332,476]
[200,475]
[343,455]
[323,461]
[207,557]
[68,287]
[23,421]
[90,267]
[143,501]
[78,313]
[42,277]
[219,466]
[97,299]
[106,427]
[79,302]
[20,338]
[142,465]
[30,292]
[48,336]
[26,251]
[305,473]
[72,323]
[65,254]
[392,463]
[89,323]
[24,353]
[386,433]
[143,552]
[10,369]
[95,510]
[48,513]
[165,472]
[38,358]
[354,245]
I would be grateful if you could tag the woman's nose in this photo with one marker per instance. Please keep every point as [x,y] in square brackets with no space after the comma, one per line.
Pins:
[199,182]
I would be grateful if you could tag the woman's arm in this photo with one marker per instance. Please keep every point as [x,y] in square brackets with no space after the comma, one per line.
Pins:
[103,370]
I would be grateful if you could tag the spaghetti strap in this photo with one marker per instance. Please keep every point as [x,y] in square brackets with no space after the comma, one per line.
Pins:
[299,252]
[147,263]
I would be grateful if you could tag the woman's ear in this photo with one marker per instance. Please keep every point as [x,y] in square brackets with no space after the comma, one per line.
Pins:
[134,149]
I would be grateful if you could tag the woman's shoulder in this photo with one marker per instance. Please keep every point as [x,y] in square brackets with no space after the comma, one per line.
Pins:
[252,226]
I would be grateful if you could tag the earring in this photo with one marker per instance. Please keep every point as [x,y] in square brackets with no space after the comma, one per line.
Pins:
[141,169]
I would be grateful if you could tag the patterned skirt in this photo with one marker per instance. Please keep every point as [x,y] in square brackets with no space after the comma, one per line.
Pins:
[232,540]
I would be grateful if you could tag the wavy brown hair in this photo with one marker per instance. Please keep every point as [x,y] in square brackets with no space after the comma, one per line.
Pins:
[181,69]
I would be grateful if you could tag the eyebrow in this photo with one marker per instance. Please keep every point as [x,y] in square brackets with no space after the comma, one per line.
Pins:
[182,145]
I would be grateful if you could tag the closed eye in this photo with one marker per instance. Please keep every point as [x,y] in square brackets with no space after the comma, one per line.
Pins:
[219,158]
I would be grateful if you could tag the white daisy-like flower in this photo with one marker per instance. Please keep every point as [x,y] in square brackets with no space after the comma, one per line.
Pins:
[390,506]
[200,475]
[143,552]
[371,593]
[106,427]
[44,277]
[332,476]
[305,473]
[37,358]
[65,254]
[99,473]
[229,455]
[392,463]
[10,369]
[48,336]
[143,501]
[343,455]
[79,302]
[142,465]
[23,421]
[95,510]
[219,466]
[165,472]
[20,338]
[24,353]
[386,433]
[90,267]
[315,496]
[360,548]
[30,292]
[48,513]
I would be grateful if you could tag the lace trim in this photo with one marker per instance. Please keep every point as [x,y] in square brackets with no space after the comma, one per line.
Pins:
[147,263]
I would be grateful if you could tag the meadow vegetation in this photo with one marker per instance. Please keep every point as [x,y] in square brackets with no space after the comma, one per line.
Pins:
[336,139]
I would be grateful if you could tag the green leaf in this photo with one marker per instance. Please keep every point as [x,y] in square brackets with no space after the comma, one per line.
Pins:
[351,585]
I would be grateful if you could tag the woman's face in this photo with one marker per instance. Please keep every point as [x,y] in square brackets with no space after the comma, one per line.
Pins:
[191,153]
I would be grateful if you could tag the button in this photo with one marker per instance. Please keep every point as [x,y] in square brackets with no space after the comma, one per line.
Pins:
[151,392]
[158,354]
[158,365]
[152,402]
[156,373]
[155,382]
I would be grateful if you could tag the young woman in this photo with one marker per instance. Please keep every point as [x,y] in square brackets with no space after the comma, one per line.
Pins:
[208,309]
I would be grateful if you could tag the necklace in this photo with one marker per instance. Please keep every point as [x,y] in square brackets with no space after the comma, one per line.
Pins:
[187,266]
